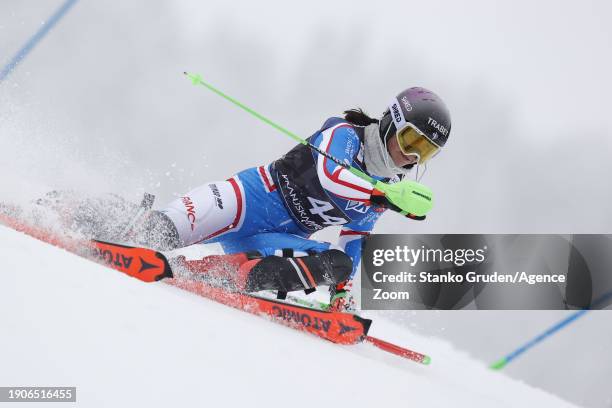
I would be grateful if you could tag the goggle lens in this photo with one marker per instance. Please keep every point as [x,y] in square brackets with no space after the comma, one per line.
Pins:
[413,141]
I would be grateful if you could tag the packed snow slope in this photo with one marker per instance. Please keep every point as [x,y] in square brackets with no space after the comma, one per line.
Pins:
[69,322]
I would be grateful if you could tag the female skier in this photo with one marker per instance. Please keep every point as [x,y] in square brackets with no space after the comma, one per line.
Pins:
[265,215]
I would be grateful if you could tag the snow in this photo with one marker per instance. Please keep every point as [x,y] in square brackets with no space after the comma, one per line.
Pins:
[69,322]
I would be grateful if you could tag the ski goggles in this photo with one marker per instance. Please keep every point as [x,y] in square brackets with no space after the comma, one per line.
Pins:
[412,141]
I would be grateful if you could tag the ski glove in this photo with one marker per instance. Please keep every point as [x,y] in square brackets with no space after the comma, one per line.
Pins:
[406,197]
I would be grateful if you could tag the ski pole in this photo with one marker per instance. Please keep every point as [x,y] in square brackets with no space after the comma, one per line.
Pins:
[196,79]
[502,362]
[395,193]
[399,351]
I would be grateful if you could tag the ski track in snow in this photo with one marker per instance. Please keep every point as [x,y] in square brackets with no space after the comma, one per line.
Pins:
[69,322]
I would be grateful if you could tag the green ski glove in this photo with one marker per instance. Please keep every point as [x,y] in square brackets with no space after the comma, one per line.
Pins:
[406,197]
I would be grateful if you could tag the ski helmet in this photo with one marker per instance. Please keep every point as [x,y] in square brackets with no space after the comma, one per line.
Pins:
[420,120]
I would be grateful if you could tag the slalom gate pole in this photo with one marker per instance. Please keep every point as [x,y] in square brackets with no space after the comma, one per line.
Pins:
[502,362]
[35,39]
[196,79]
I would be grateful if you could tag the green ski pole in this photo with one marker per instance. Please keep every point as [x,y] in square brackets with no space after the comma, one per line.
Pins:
[396,193]
[197,80]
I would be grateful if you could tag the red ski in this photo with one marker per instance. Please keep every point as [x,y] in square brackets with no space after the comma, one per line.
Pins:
[141,263]
[148,265]
[341,328]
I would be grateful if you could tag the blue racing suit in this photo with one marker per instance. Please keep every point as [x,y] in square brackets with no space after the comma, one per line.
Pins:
[280,205]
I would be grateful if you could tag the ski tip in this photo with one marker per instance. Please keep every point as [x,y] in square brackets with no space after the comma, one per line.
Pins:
[366,323]
[144,264]
[499,364]
[426,360]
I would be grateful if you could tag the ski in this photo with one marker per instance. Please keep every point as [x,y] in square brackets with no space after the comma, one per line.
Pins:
[316,304]
[376,342]
[149,265]
[338,327]
[141,263]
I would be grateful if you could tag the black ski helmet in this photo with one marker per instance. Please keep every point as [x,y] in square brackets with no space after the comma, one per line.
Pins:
[420,108]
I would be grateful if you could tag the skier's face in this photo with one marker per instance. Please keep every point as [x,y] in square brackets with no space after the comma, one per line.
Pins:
[399,158]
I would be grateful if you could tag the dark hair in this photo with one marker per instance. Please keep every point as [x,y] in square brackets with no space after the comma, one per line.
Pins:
[357,116]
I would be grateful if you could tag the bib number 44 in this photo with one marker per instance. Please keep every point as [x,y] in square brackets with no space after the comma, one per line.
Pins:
[320,207]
